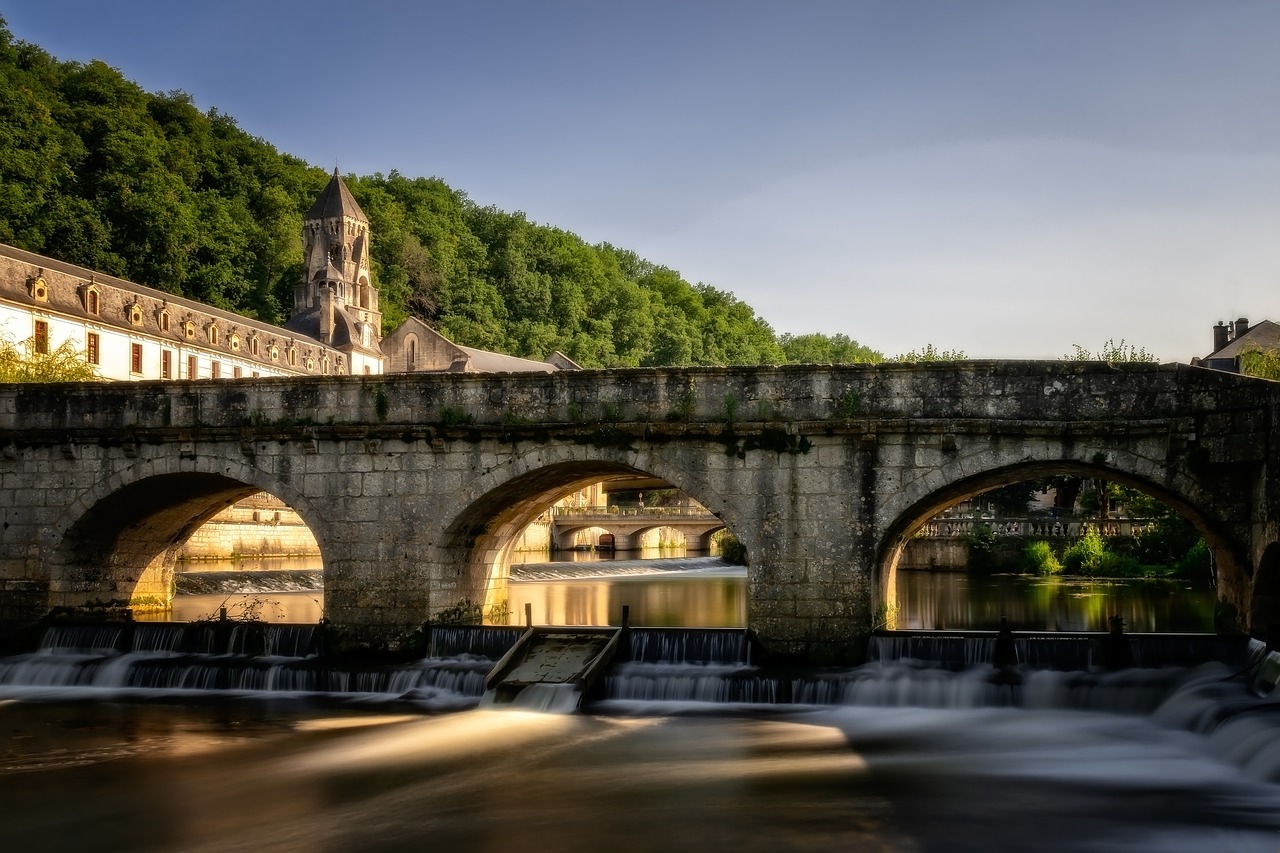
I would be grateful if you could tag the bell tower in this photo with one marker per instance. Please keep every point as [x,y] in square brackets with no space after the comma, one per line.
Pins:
[335,237]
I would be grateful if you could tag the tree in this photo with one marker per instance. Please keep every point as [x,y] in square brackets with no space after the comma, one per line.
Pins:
[23,363]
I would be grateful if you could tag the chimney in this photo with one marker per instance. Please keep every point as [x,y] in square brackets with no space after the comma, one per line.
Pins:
[1242,326]
[1219,336]
[326,314]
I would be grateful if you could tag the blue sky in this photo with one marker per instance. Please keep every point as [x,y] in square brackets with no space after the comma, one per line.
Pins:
[1004,178]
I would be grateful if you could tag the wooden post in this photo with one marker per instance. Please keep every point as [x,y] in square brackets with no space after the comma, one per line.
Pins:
[528,614]
[626,615]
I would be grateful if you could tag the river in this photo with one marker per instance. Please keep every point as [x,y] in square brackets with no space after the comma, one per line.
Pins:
[900,759]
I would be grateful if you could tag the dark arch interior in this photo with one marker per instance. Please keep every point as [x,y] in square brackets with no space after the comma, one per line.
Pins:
[134,525]
[129,539]
[1265,615]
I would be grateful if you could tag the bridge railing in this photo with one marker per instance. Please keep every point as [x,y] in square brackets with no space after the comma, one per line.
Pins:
[614,512]
[1034,528]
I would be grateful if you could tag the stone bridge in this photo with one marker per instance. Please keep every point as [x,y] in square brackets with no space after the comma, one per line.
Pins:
[415,485]
[628,524]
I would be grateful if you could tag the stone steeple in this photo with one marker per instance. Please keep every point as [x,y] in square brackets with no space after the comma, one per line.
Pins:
[335,302]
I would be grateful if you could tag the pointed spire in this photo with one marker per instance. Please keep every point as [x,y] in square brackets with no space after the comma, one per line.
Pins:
[336,200]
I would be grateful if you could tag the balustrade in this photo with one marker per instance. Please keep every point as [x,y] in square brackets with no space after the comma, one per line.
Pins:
[1034,528]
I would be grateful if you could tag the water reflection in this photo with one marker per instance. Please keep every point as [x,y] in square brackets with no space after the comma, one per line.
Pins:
[705,592]
[959,600]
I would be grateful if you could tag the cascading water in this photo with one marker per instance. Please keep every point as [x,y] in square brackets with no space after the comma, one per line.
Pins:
[142,659]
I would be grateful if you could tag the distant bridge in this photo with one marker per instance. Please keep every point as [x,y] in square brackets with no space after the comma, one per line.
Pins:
[628,524]
[415,486]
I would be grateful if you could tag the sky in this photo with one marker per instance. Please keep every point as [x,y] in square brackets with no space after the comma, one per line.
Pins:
[1000,177]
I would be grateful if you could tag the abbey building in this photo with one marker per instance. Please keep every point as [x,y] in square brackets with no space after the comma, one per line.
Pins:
[128,331]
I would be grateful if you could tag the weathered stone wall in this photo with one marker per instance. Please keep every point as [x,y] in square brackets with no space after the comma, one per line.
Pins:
[415,486]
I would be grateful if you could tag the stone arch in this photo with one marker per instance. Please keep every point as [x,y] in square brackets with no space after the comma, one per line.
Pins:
[117,541]
[944,486]
[1264,610]
[479,539]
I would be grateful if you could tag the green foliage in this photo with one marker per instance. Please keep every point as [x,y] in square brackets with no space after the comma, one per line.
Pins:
[730,409]
[1084,556]
[1011,499]
[452,417]
[982,541]
[1196,563]
[732,550]
[1112,352]
[1260,363]
[1038,557]
[98,172]
[846,405]
[826,349]
[930,353]
[65,363]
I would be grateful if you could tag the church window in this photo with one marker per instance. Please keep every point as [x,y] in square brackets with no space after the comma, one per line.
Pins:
[135,314]
[38,289]
[324,364]
[40,341]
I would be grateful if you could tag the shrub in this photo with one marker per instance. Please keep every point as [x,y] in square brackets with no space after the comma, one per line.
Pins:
[1084,556]
[1038,556]
[733,551]
[1195,563]
[982,541]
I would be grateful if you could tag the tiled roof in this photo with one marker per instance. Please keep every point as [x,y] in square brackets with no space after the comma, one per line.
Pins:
[336,200]
[1264,335]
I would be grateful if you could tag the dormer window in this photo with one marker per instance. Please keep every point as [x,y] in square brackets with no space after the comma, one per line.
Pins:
[135,314]
[324,364]
[163,319]
[253,346]
[293,356]
[275,353]
[92,300]
[189,329]
[214,335]
[38,289]
[235,342]
[311,363]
